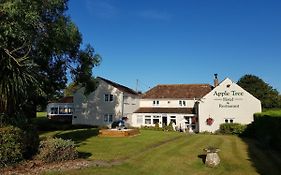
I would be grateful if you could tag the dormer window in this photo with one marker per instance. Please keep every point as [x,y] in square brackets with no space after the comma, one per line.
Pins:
[182,103]
[155,102]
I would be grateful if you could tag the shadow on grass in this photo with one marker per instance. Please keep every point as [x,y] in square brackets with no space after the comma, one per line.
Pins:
[202,157]
[264,143]
[44,125]
[79,136]
[264,159]
[84,155]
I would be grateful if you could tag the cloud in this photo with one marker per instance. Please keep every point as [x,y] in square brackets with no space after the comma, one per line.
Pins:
[101,8]
[155,15]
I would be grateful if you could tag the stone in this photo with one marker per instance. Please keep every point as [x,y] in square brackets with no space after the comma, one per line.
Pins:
[212,159]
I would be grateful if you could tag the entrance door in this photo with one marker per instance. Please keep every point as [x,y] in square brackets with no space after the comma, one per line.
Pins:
[164,121]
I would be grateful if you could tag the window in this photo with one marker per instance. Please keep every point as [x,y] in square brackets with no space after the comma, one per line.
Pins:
[155,102]
[147,120]
[182,103]
[173,119]
[139,119]
[108,118]
[229,120]
[108,97]
[156,119]
[54,110]
[105,97]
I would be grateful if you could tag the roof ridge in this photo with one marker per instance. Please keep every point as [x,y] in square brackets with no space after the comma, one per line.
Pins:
[182,84]
[119,86]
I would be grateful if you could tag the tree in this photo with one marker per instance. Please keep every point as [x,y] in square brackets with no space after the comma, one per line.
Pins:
[39,44]
[268,96]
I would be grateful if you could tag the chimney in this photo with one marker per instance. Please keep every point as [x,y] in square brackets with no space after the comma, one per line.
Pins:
[216,80]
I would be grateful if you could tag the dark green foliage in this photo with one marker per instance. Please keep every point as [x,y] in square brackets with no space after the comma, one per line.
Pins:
[11,145]
[267,130]
[30,137]
[158,128]
[169,127]
[268,96]
[44,124]
[39,44]
[232,128]
[57,149]
[30,140]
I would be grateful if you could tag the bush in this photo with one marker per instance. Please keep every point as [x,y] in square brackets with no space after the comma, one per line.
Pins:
[169,127]
[30,140]
[266,129]
[30,137]
[232,128]
[57,149]
[11,145]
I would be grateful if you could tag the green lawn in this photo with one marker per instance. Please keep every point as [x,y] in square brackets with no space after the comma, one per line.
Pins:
[272,113]
[156,152]
[41,114]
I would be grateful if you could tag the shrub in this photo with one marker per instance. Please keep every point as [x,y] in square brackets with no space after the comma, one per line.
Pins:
[169,127]
[30,137]
[11,145]
[57,149]
[232,128]
[30,140]
[265,129]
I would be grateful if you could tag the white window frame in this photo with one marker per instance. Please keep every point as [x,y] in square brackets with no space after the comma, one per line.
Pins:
[229,120]
[108,118]
[155,102]
[108,97]
[147,118]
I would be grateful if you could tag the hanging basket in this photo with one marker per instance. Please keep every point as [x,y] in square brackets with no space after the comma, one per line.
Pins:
[210,121]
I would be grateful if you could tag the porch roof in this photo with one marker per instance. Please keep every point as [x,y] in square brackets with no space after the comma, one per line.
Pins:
[165,110]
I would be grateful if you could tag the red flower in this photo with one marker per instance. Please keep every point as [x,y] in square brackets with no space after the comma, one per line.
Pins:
[209,121]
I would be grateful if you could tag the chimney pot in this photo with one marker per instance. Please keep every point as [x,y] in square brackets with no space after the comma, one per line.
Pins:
[216,80]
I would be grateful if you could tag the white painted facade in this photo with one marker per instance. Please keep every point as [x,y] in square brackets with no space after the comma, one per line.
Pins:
[168,103]
[106,104]
[229,103]
[225,103]
[182,121]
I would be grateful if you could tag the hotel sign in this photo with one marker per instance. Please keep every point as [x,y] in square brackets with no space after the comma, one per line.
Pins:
[228,99]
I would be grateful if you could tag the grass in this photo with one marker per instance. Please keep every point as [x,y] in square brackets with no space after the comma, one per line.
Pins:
[272,113]
[41,114]
[157,152]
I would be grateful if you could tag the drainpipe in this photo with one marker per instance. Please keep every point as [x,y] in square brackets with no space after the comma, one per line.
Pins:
[122,107]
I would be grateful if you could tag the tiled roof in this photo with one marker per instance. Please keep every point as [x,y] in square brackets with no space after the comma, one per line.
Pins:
[165,110]
[178,91]
[119,86]
[68,99]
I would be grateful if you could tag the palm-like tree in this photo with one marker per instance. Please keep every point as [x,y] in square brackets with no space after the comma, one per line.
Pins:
[17,79]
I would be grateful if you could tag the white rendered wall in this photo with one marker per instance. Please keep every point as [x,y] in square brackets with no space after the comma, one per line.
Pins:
[227,101]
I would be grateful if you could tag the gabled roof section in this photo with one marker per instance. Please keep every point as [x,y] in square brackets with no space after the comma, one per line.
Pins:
[178,91]
[119,86]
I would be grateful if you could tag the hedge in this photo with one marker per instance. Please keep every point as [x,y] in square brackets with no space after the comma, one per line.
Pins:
[266,129]
[11,145]
[232,128]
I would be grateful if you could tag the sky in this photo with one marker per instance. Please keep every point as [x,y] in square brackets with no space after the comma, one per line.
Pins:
[148,42]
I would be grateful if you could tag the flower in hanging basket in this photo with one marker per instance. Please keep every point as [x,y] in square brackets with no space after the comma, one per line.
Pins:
[210,121]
